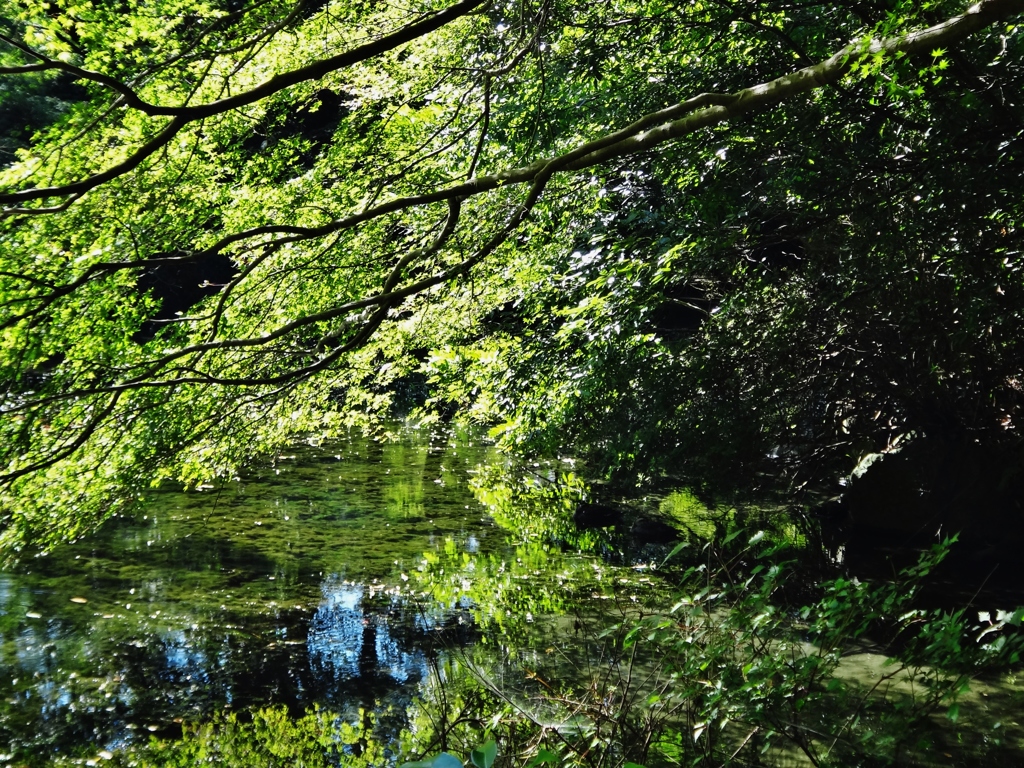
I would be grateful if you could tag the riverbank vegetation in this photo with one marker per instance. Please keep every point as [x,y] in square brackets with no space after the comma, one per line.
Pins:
[728,675]
[565,647]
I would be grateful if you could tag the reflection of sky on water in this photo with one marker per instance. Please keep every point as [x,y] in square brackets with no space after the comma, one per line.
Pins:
[363,645]
[399,665]
[184,659]
[5,593]
[336,631]
[361,648]
[54,698]
[34,647]
[195,607]
[348,641]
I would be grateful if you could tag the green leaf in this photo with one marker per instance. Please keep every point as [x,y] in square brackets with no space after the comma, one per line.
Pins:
[544,756]
[675,551]
[483,757]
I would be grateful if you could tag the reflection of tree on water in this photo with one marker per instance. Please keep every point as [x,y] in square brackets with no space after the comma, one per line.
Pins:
[364,650]
[369,646]
[204,605]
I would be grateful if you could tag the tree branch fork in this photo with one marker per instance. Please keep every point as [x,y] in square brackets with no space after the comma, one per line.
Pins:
[650,131]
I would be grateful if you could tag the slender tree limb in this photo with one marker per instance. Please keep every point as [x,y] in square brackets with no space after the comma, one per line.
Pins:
[383,301]
[183,115]
[5,212]
[484,128]
[130,97]
[78,188]
[65,451]
[678,120]
[23,68]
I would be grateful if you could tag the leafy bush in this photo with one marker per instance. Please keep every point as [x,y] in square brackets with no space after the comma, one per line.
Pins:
[732,675]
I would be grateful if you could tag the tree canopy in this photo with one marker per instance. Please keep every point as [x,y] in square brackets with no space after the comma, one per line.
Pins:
[725,240]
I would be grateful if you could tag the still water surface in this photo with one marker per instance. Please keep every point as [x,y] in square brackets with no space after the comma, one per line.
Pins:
[291,586]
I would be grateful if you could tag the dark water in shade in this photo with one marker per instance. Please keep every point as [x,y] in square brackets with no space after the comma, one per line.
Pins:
[290,586]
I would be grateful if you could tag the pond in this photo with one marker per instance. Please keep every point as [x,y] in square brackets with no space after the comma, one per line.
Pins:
[342,579]
[283,587]
[300,584]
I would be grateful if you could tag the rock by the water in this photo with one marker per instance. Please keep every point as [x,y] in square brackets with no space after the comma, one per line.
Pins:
[596,516]
[646,530]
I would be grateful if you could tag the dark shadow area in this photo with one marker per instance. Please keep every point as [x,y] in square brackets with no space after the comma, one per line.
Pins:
[181,284]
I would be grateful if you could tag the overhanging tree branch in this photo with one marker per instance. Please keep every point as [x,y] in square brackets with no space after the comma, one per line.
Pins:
[185,365]
[674,122]
[650,131]
[183,115]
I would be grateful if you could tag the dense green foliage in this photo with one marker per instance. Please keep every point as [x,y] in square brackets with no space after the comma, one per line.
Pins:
[708,239]
[727,676]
